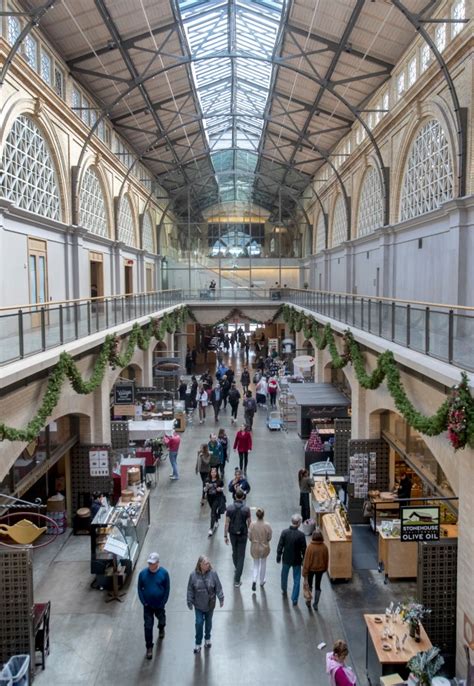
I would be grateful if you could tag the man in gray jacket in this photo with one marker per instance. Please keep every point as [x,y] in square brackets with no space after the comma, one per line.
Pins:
[204,587]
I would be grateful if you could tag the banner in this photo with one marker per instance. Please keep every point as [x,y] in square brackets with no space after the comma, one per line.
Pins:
[419,523]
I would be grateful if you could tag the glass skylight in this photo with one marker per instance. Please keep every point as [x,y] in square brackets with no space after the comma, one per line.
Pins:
[230,43]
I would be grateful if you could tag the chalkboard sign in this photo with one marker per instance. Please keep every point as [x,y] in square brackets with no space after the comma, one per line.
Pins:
[124,394]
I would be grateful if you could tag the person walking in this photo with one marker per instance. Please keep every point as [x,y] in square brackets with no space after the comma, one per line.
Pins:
[261,391]
[290,551]
[306,484]
[237,522]
[272,390]
[225,386]
[202,401]
[153,591]
[215,449]
[204,587]
[245,379]
[214,488]
[172,443]
[193,392]
[260,535]
[223,439]
[239,482]
[188,362]
[216,400]
[250,407]
[339,673]
[203,468]
[315,563]
[243,445]
[234,400]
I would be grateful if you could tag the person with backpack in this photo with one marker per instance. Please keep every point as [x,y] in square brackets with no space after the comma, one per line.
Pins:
[272,390]
[234,400]
[243,445]
[239,482]
[216,452]
[250,407]
[245,379]
[237,522]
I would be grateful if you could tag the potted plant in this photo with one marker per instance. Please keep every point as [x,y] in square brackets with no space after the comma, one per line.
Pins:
[413,613]
[306,284]
[424,666]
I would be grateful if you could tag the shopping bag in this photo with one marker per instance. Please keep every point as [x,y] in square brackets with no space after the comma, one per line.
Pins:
[308,596]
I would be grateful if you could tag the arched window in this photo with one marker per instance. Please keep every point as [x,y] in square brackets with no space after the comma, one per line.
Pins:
[428,179]
[29,176]
[339,223]
[147,233]
[92,212]
[370,203]
[320,234]
[126,227]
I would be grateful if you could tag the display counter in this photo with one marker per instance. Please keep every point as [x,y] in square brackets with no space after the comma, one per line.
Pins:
[324,498]
[399,559]
[337,534]
[127,523]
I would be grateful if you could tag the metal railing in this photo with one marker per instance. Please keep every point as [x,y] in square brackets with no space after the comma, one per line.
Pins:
[34,328]
[445,332]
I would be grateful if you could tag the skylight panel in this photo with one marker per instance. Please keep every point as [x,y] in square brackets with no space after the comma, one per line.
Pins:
[234,85]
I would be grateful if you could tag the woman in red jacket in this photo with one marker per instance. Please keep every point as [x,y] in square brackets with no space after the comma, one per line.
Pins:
[243,444]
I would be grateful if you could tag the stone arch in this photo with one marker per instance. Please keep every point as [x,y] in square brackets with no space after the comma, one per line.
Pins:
[160,350]
[94,163]
[338,212]
[432,109]
[371,167]
[148,215]
[33,110]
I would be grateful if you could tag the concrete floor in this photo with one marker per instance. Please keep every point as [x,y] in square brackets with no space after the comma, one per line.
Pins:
[257,638]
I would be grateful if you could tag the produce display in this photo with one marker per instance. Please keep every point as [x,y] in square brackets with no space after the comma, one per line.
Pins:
[314,443]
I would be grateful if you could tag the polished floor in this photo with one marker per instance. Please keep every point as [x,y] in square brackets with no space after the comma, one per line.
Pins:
[257,638]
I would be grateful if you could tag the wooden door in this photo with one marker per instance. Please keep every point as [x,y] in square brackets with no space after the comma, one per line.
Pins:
[38,276]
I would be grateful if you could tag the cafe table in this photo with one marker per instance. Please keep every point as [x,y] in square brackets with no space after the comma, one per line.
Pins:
[389,657]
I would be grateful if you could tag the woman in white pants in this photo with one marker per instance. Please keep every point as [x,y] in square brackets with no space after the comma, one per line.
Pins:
[260,535]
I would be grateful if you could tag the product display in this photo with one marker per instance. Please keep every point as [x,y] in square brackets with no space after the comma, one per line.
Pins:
[338,539]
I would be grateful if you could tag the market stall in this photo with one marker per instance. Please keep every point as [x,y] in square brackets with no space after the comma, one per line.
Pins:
[337,533]
[317,401]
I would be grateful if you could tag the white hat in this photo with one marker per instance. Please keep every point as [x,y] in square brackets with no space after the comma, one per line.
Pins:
[153,558]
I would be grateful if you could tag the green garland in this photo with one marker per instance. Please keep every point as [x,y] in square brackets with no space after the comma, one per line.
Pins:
[387,369]
[109,356]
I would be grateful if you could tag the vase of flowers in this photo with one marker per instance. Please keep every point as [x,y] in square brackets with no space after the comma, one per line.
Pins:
[413,613]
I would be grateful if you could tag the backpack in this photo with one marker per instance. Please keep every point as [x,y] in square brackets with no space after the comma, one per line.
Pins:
[238,521]
[250,406]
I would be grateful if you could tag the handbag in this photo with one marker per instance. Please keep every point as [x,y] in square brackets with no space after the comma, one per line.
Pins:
[307,594]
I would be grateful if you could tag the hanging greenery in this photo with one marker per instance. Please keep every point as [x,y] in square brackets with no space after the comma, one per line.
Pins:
[236,314]
[455,415]
[109,355]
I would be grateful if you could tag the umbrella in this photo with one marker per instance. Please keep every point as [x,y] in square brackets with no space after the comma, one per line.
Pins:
[304,361]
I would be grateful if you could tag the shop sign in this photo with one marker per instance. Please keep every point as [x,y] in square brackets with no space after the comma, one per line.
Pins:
[124,394]
[419,523]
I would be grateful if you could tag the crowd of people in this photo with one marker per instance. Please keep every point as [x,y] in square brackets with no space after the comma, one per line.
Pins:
[227,498]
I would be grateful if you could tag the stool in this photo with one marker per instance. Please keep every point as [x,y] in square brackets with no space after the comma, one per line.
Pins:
[82,521]
[391,680]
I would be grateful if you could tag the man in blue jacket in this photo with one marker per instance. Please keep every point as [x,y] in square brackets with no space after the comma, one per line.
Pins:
[153,591]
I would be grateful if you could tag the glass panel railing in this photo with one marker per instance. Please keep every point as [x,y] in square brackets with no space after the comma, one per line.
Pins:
[417,329]
[438,335]
[10,337]
[463,338]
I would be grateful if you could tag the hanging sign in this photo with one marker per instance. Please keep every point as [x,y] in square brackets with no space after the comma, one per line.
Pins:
[124,394]
[419,523]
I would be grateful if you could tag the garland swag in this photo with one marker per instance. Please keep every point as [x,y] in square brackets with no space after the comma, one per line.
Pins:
[455,415]
[109,355]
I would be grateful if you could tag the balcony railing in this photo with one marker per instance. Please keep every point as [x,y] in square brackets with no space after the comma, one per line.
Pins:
[441,331]
[445,332]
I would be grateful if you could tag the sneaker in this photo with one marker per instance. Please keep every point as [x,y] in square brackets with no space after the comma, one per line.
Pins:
[238,584]
[203,502]
[295,603]
[283,592]
[149,653]
[262,584]
[174,478]
[207,644]
[216,526]
[161,633]
[197,650]
[254,586]
[210,532]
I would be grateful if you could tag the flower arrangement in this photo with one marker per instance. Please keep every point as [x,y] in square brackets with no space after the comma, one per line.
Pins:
[413,613]
[425,665]
[457,417]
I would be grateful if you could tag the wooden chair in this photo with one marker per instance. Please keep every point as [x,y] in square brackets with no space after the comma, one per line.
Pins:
[42,632]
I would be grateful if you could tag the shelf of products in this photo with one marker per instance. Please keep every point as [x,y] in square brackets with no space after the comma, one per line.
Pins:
[288,407]
[337,534]
[127,522]
[319,446]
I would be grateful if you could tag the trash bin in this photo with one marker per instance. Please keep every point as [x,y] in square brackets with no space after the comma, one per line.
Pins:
[5,677]
[18,666]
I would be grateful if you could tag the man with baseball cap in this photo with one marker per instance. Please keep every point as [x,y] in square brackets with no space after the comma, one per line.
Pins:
[153,591]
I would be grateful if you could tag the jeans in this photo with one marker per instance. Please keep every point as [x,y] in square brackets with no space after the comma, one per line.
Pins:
[149,613]
[234,411]
[305,506]
[243,461]
[215,505]
[317,576]
[259,569]
[174,463]
[248,417]
[285,570]
[239,543]
[217,408]
[203,621]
